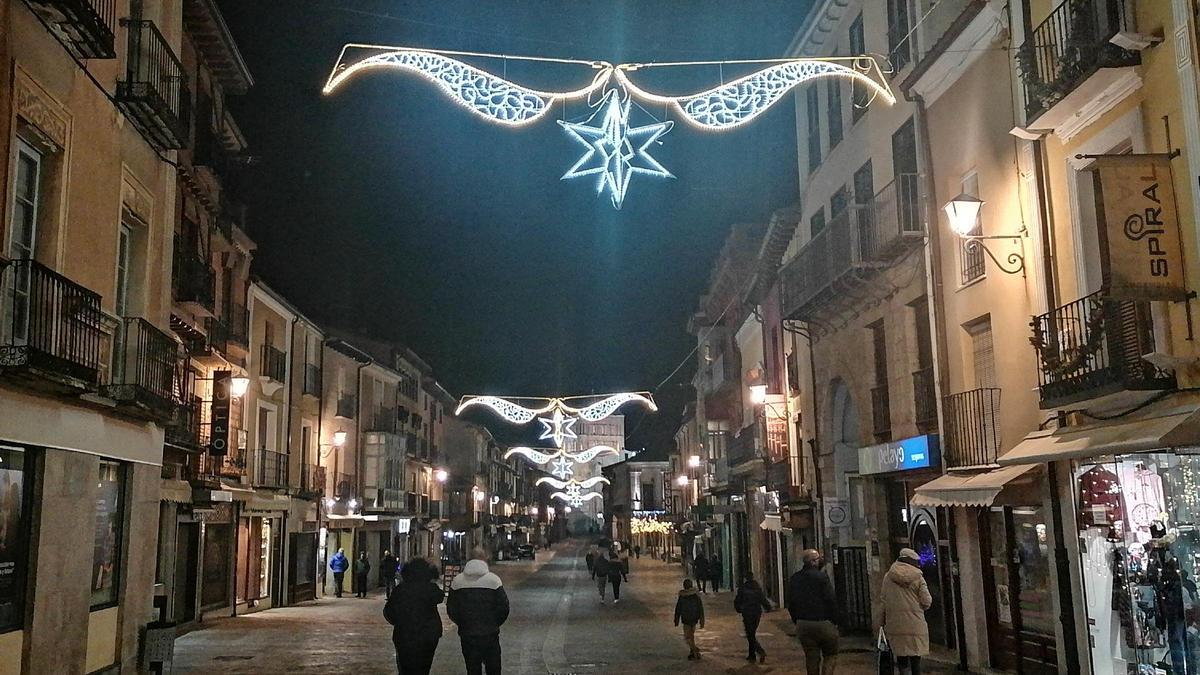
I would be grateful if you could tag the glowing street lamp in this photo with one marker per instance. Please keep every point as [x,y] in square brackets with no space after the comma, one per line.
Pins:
[963,214]
[441,475]
[758,394]
[238,386]
[339,439]
[682,480]
[694,461]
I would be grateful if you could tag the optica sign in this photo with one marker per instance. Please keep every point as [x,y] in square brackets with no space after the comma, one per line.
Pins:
[918,452]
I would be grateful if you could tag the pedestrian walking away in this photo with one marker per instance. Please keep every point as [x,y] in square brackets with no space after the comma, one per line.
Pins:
[700,571]
[751,602]
[338,565]
[905,597]
[616,572]
[478,605]
[362,567]
[813,608]
[624,560]
[411,609]
[637,551]
[714,572]
[689,611]
[387,570]
[600,569]
[590,560]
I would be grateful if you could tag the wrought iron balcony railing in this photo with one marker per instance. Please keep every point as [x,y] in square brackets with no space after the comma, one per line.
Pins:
[231,465]
[972,430]
[1069,46]
[193,279]
[237,320]
[347,406]
[183,429]
[1094,346]
[273,363]
[857,243]
[144,364]
[344,486]
[154,94]
[86,26]
[924,399]
[49,325]
[881,414]
[270,468]
[312,479]
[312,380]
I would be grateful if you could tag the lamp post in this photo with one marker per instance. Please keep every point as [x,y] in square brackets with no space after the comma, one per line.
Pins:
[963,215]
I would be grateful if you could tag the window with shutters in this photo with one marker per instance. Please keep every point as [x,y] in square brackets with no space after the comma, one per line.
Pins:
[983,358]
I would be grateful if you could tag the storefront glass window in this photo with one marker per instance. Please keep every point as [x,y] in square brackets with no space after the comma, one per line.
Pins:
[14,542]
[1033,555]
[106,550]
[1137,518]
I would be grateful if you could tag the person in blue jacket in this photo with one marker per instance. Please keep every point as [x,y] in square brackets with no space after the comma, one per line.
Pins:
[339,565]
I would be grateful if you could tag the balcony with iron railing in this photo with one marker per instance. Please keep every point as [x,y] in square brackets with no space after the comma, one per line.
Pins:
[924,400]
[972,436]
[1069,59]
[936,28]
[85,26]
[231,465]
[383,418]
[743,447]
[50,328]
[312,380]
[270,468]
[881,414]
[312,480]
[144,364]
[344,485]
[842,259]
[347,406]
[272,363]
[237,320]
[1093,347]
[154,94]
[193,280]
[183,429]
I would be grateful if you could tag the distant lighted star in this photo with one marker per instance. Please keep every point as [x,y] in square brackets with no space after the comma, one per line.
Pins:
[558,427]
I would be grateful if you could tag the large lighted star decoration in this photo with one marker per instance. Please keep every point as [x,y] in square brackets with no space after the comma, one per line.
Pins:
[615,151]
[557,428]
[562,468]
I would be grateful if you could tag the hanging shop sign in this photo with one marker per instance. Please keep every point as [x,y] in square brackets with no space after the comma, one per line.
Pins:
[218,443]
[918,452]
[1136,205]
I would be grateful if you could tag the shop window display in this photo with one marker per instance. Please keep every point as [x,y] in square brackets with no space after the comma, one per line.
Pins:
[1137,520]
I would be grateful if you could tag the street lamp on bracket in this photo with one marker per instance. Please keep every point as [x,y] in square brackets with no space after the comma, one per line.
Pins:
[963,214]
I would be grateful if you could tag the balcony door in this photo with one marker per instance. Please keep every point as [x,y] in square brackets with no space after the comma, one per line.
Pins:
[22,243]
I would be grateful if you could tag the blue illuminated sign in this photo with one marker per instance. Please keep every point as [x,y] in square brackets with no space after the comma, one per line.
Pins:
[918,452]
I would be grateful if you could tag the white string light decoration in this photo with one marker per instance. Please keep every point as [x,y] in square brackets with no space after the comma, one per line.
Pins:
[507,409]
[558,428]
[562,462]
[562,468]
[615,151]
[594,412]
[606,407]
[565,484]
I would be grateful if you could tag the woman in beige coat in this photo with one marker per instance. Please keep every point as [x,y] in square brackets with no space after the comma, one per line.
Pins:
[905,597]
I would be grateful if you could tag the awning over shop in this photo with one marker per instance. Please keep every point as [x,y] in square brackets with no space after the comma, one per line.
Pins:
[978,489]
[772,523]
[1159,426]
[178,491]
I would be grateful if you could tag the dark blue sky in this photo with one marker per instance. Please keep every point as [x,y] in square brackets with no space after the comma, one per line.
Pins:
[389,209]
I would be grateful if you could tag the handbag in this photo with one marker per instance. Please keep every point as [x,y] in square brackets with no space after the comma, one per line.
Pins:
[883,651]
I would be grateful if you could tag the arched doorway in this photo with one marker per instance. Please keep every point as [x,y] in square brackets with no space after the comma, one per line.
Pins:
[848,541]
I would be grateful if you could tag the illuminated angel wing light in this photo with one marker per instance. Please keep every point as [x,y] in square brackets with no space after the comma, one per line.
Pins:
[481,92]
[738,102]
[601,409]
[562,484]
[592,453]
[505,408]
[578,499]
[535,456]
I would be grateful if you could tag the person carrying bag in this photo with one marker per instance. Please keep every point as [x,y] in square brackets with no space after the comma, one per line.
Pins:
[883,653]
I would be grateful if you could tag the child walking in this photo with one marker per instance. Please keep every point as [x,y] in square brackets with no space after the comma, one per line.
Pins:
[689,610]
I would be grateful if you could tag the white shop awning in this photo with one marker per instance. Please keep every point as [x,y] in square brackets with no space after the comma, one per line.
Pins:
[978,489]
[1160,426]
[772,523]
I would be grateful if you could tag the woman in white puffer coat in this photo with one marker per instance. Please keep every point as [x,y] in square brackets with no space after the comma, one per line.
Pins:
[905,597]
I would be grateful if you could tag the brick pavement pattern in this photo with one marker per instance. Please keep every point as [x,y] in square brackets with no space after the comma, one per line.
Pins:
[558,625]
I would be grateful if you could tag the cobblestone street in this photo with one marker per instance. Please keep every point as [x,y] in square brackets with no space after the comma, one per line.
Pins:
[557,626]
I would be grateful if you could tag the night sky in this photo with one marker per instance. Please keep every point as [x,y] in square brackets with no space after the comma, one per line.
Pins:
[388,209]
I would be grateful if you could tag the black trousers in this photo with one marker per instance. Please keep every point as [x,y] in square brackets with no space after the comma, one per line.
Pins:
[339,579]
[360,583]
[415,659]
[913,663]
[616,584]
[481,652]
[753,648]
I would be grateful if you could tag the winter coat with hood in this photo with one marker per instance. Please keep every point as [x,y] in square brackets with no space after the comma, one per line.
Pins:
[412,611]
[905,597]
[750,600]
[688,608]
[477,603]
[700,568]
[338,562]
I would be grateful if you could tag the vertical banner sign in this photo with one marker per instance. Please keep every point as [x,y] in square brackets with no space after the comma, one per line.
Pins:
[218,443]
[1137,209]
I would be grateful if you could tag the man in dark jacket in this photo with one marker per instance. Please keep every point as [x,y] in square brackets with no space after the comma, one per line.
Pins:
[811,602]
[416,625]
[362,567]
[689,611]
[479,606]
[600,570]
[387,570]
[751,602]
[715,572]
[616,572]
[700,571]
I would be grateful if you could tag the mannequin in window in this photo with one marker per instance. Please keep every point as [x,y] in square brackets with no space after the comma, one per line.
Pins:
[1165,576]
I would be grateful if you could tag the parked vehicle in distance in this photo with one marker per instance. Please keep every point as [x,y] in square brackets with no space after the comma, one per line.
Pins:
[525,551]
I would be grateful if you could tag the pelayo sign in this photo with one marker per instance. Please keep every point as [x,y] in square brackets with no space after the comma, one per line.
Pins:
[918,452]
[1135,203]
